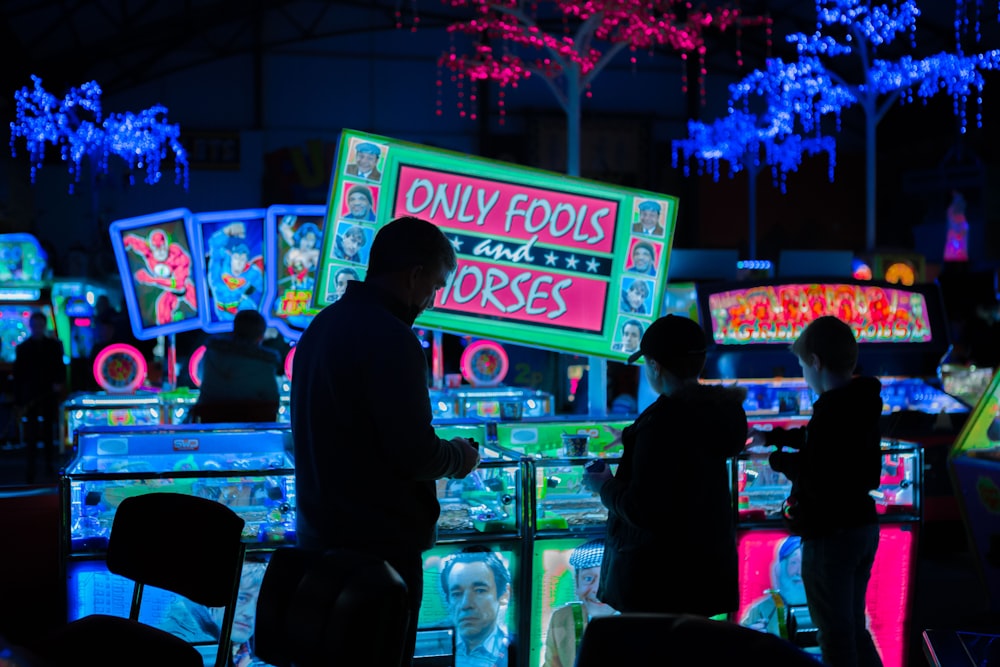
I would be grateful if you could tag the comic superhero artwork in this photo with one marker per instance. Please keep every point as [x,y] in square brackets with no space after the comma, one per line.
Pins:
[232,260]
[155,260]
[298,233]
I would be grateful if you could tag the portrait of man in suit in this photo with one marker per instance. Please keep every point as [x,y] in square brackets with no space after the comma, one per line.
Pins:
[365,165]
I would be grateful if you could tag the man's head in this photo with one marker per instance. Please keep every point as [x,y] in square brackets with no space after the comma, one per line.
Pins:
[827,343]
[38,324]
[475,584]
[353,240]
[642,256]
[340,280]
[786,574]
[249,325]
[586,563]
[649,214]
[239,258]
[413,259]
[366,156]
[631,335]
[673,344]
[360,201]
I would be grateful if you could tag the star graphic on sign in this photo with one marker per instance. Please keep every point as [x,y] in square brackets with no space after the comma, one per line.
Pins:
[592,265]
[571,262]
[550,259]
[457,243]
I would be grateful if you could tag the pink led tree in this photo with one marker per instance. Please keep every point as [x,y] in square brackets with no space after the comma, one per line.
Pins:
[516,41]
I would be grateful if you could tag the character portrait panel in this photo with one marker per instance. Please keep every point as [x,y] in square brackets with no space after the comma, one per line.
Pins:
[648,217]
[365,159]
[162,286]
[299,231]
[643,256]
[628,334]
[338,277]
[352,242]
[232,247]
[636,296]
[359,202]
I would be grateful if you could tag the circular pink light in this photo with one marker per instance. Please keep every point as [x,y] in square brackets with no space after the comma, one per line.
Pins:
[484,363]
[120,369]
[194,365]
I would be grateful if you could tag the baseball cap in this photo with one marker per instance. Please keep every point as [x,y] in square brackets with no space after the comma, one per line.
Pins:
[673,341]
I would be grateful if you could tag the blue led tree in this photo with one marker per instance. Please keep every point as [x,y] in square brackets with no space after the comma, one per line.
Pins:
[749,142]
[809,89]
[77,127]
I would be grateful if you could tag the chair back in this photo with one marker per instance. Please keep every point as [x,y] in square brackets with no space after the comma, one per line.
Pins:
[185,544]
[314,606]
[654,640]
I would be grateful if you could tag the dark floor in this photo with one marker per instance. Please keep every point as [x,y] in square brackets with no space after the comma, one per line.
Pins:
[947,592]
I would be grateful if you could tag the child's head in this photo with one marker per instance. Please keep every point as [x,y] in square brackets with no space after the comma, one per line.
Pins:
[831,341]
[677,344]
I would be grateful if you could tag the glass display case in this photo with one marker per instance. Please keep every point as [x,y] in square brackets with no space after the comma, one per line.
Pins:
[508,403]
[141,408]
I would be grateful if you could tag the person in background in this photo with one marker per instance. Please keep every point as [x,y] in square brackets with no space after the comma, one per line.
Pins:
[476,588]
[568,622]
[673,456]
[39,381]
[834,513]
[786,591]
[238,381]
[345,431]
[195,623]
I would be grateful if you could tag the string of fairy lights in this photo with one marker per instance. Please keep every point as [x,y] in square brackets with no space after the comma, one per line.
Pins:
[76,126]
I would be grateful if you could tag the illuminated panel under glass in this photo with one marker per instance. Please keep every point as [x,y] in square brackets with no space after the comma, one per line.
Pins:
[778,313]
[888,599]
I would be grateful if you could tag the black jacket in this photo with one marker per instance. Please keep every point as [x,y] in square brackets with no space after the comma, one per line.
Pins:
[671,544]
[839,459]
[366,455]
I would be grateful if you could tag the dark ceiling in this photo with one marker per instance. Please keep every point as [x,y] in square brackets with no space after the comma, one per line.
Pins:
[124,42]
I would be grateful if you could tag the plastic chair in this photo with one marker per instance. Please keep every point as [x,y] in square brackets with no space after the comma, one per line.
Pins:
[315,607]
[659,640]
[222,412]
[184,544]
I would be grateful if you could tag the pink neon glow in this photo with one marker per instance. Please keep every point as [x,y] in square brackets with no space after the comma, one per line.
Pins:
[194,365]
[120,369]
[888,598]
[778,313]
[289,358]
[485,363]
[529,294]
[477,205]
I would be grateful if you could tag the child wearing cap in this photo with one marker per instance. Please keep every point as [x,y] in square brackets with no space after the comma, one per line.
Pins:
[671,538]
[835,463]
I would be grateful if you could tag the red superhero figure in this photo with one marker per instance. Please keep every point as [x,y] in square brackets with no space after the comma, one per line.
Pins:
[168,267]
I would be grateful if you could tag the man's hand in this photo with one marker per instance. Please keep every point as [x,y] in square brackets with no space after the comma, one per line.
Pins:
[470,456]
[595,475]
